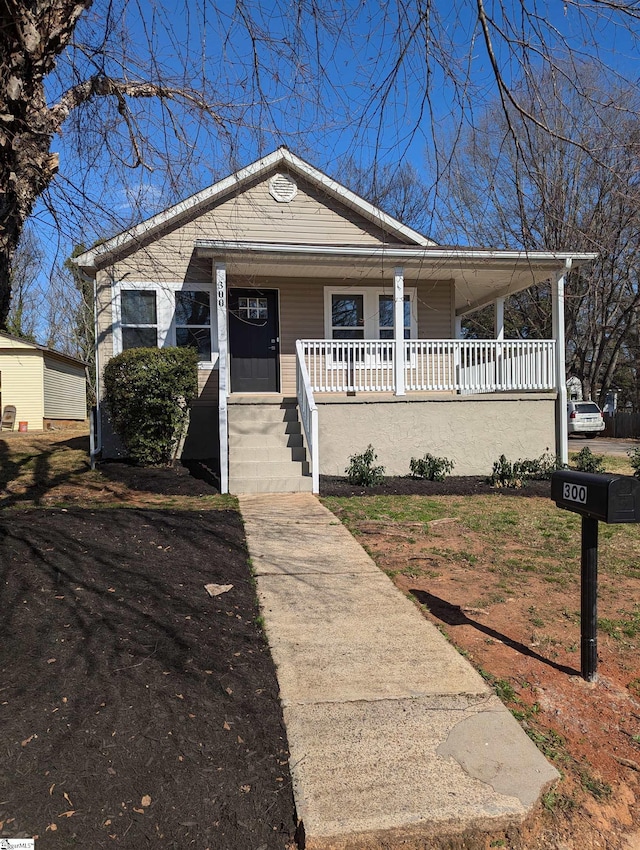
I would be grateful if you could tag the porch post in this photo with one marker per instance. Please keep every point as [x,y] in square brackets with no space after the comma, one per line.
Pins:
[557,289]
[221,308]
[499,318]
[498,327]
[398,328]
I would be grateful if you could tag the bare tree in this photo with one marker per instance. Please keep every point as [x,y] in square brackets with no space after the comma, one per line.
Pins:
[544,192]
[25,315]
[141,100]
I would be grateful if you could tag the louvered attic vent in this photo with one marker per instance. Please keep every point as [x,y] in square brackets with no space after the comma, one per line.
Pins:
[283,188]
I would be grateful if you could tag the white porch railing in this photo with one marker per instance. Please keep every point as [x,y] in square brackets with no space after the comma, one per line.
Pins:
[308,415]
[455,365]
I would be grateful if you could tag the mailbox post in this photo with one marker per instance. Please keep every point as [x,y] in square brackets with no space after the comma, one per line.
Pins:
[606,498]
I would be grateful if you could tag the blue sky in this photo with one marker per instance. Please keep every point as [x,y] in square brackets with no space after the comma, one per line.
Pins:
[327,90]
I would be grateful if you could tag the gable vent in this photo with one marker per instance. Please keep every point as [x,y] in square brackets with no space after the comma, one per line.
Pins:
[283,188]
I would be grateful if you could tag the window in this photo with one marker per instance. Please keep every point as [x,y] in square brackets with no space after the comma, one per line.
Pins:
[193,322]
[366,313]
[347,316]
[139,319]
[252,308]
[385,313]
[165,314]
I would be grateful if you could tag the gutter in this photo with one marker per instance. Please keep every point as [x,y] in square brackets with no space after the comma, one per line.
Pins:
[204,246]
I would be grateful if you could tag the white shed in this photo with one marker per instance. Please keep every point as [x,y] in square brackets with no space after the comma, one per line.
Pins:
[45,386]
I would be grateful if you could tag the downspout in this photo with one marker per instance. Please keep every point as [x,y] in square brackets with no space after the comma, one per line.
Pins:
[562,440]
[96,437]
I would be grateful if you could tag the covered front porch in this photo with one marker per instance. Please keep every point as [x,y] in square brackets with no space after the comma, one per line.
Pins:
[377,319]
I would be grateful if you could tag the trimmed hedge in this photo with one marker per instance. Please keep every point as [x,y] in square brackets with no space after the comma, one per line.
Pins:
[148,391]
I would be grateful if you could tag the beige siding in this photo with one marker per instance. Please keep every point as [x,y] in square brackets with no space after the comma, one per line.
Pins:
[435,309]
[65,389]
[104,310]
[311,217]
[21,376]
[207,388]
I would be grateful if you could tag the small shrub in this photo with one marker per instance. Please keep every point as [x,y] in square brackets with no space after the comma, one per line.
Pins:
[148,391]
[540,468]
[430,467]
[634,460]
[586,461]
[507,474]
[361,470]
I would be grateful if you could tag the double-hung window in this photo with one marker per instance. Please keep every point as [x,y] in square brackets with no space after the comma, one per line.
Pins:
[193,322]
[139,318]
[347,316]
[385,316]
[157,315]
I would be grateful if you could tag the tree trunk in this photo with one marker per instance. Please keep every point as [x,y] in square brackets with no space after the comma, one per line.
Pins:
[31,37]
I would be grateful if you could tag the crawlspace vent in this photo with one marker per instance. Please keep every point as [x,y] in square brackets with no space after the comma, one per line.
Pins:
[283,188]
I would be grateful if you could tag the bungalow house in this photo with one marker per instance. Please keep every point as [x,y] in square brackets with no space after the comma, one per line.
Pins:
[323,325]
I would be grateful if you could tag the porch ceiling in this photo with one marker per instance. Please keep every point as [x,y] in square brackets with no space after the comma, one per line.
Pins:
[479,275]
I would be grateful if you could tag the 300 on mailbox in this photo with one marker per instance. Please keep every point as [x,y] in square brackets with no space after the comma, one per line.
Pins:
[574,493]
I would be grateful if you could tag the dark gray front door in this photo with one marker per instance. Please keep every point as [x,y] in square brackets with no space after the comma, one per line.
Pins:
[254,340]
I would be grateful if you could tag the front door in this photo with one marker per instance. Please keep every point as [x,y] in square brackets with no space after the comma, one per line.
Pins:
[254,340]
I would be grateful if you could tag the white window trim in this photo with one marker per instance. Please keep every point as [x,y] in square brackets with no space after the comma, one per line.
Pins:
[370,308]
[165,313]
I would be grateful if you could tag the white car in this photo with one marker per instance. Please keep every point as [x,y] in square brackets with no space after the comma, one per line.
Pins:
[585,417]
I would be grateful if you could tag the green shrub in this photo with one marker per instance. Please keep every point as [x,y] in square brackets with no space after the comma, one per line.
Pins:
[433,468]
[634,460]
[507,474]
[586,461]
[361,469]
[516,474]
[148,391]
[540,468]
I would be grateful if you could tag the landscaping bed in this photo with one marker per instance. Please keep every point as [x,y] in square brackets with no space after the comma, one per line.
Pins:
[136,709]
[454,485]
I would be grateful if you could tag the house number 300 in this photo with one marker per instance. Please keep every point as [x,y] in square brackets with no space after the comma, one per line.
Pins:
[575,493]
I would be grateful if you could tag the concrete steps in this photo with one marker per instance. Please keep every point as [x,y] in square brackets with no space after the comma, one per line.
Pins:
[266,448]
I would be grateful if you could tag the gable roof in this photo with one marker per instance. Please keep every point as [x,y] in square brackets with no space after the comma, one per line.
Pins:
[25,343]
[282,156]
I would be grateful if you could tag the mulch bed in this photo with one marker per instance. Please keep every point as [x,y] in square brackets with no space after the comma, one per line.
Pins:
[189,478]
[136,710]
[454,485]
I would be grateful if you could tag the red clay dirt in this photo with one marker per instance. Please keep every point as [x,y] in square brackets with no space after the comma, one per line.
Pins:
[530,643]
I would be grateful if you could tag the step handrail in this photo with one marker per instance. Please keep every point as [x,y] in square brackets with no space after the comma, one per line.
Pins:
[308,415]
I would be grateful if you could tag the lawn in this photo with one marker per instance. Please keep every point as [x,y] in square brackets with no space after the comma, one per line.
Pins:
[137,709]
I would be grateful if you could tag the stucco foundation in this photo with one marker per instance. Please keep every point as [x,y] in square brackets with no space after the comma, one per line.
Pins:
[472,431]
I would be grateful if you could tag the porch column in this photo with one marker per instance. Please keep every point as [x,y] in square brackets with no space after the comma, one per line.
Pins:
[498,306]
[557,290]
[457,327]
[398,328]
[221,310]
[498,328]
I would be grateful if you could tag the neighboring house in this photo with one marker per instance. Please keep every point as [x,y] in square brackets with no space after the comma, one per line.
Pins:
[324,325]
[45,386]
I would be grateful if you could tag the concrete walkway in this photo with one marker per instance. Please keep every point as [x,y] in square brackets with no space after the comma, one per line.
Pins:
[394,738]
